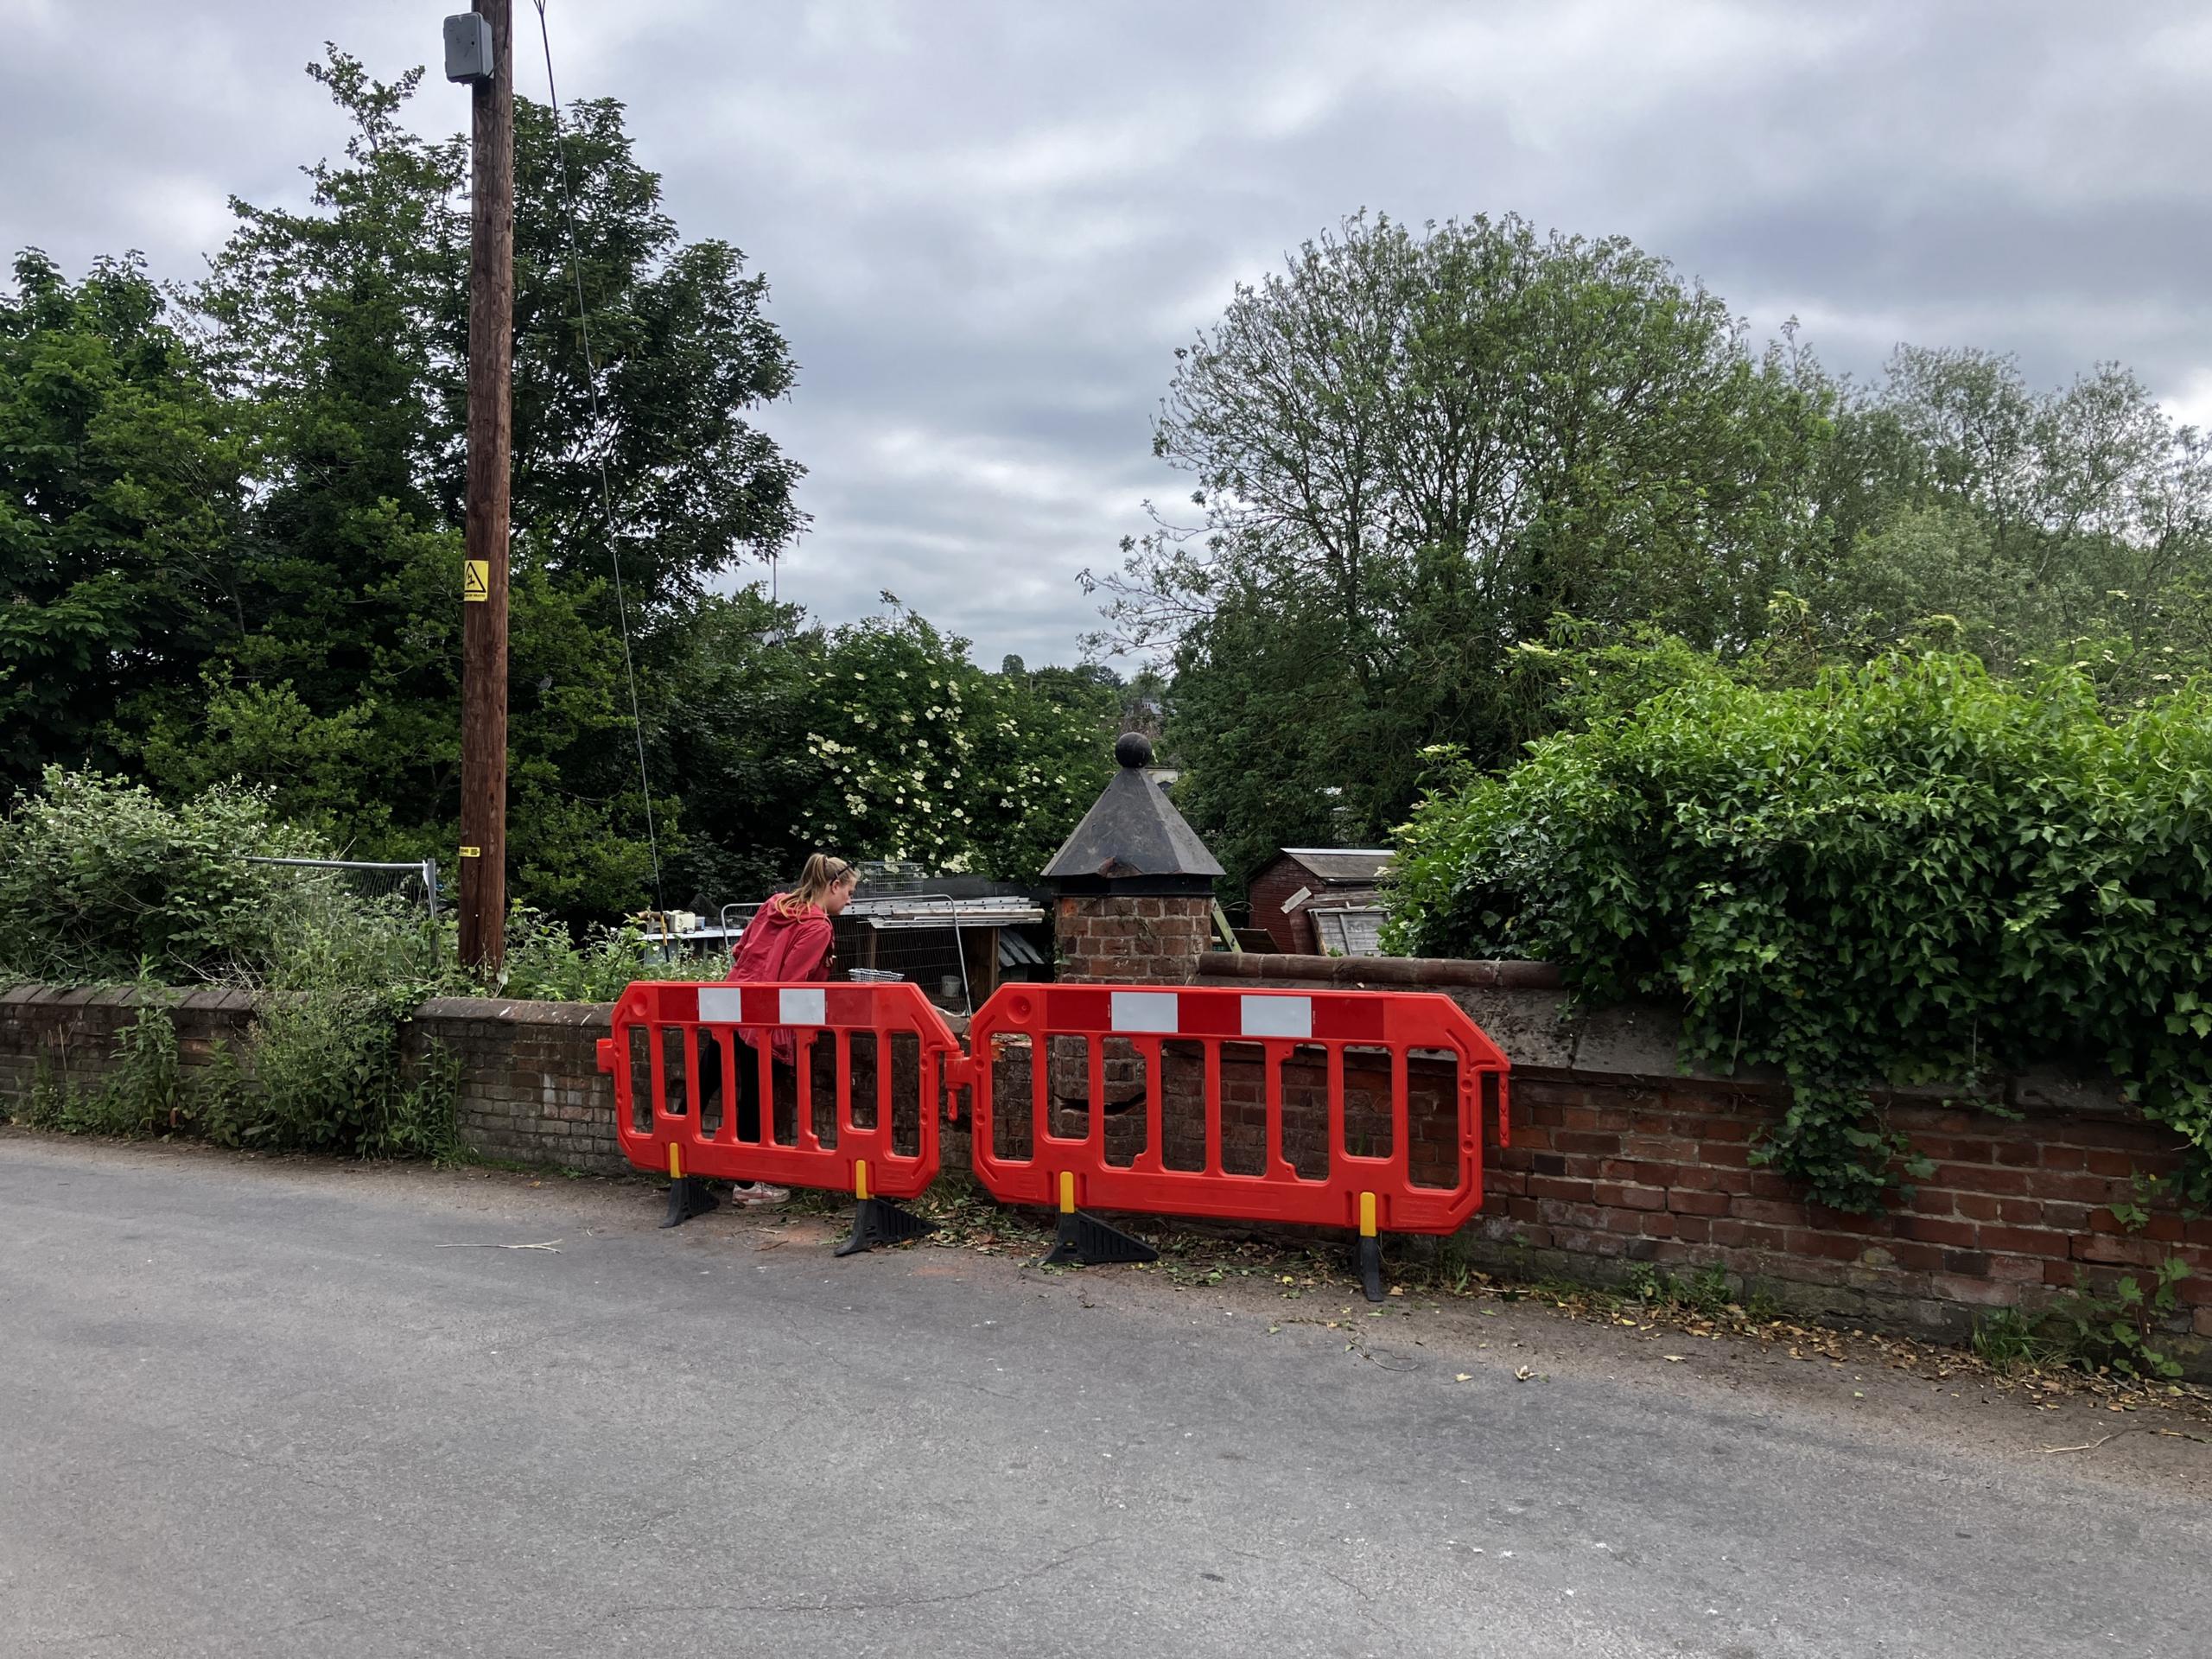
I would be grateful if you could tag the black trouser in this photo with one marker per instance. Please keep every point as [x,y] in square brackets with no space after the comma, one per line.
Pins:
[748,1084]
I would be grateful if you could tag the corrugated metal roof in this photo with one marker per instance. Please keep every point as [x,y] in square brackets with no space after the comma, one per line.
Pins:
[1359,866]
[915,915]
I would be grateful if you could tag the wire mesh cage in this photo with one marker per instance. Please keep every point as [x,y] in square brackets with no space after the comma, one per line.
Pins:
[413,885]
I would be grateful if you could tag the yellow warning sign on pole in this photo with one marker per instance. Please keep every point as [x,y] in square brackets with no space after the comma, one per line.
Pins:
[475,581]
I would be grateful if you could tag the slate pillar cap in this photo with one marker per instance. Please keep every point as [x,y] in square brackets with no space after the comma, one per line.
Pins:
[1132,832]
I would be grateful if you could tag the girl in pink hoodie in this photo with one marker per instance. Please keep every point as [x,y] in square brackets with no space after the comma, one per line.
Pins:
[787,942]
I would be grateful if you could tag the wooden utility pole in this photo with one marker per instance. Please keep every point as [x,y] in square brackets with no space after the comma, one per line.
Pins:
[484,585]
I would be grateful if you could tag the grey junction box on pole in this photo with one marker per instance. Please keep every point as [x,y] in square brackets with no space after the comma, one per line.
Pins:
[468,48]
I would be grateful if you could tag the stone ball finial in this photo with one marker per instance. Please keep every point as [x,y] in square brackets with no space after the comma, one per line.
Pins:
[1133,749]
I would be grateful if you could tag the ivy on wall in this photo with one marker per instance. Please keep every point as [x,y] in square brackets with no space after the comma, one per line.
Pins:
[1907,871]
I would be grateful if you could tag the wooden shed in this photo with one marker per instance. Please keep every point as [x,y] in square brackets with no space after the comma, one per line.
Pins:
[1323,900]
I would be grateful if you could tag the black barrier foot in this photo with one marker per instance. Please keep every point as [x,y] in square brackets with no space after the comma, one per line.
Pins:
[1369,1261]
[1092,1241]
[688,1197]
[879,1221]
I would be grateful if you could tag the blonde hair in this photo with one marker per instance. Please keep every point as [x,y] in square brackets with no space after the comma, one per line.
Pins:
[822,873]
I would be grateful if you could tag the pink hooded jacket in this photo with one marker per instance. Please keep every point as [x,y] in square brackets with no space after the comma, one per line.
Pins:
[786,944]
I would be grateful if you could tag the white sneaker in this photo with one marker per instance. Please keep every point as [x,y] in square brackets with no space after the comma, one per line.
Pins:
[759,1196]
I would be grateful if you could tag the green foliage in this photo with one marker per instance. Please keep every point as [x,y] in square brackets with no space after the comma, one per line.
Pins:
[343,330]
[1709,1292]
[120,508]
[145,1081]
[1906,872]
[2118,1331]
[2007,1340]
[544,961]
[240,540]
[880,740]
[2042,526]
[101,879]
[1414,451]
[144,1087]
[141,1089]
[327,1071]
[922,756]
[1409,450]
[232,548]
[325,1051]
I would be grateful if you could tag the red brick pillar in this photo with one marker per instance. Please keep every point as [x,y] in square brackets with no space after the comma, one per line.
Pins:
[1135,907]
[1112,937]
[1121,939]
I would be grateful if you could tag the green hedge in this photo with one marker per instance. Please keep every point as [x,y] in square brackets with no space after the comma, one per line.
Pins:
[102,881]
[1902,872]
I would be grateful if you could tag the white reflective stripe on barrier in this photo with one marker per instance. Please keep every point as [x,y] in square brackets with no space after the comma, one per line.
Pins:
[724,1004]
[1154,1011]
[1160,1013]
[1277,1016]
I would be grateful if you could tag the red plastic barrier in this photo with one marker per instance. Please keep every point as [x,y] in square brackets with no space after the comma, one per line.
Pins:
[669,1135]
[1370,1193]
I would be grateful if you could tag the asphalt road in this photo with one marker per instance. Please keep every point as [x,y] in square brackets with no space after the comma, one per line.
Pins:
[281,1409]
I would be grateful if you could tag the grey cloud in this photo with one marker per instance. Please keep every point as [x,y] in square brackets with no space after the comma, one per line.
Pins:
[988,224]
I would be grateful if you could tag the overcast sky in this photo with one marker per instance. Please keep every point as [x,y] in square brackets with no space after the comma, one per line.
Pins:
[988,225]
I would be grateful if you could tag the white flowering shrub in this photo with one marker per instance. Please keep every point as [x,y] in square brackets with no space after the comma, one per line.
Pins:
[920,755]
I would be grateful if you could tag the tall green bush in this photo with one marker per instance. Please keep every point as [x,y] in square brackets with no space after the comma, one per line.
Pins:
[545,963]
[1903,873]
[99,879]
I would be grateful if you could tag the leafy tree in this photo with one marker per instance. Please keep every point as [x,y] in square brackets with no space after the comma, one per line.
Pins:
[878,740]
[1410,450]
[1417,453]
[344,328]
[100,879]
[740,710]
[120,503]
[2076,522]
[240,544]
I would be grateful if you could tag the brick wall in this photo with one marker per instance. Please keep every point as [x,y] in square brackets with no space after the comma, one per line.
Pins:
[529,1084]
[1118,938]
[1617,1159]
[1151,941]
[1661,1172]
[530,1088]
[66,1037]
